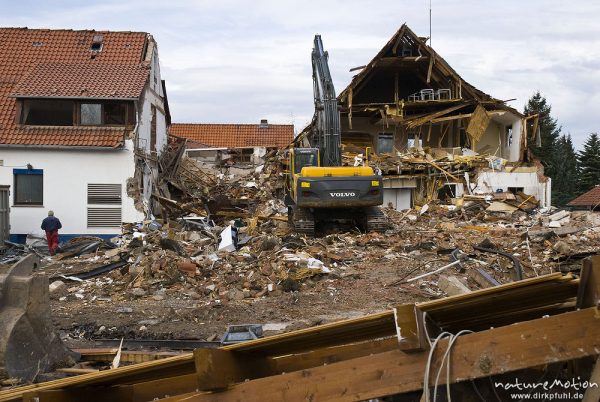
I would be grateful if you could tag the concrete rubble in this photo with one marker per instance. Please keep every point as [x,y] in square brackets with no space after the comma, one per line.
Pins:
[207,264]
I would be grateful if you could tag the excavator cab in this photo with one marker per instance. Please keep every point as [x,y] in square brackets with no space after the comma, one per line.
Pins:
[301,157]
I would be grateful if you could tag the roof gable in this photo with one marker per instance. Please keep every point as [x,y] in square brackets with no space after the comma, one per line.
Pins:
[408,52]
[62,64]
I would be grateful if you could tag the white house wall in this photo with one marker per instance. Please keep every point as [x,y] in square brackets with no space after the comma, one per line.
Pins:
[491,181]
[66,176]
[153,95]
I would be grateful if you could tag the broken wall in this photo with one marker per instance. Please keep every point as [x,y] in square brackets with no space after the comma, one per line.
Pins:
[525,179]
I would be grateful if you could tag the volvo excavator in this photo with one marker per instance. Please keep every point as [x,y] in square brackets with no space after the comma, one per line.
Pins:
[319,189]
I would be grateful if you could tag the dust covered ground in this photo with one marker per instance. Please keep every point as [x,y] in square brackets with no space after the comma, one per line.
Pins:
[289,282]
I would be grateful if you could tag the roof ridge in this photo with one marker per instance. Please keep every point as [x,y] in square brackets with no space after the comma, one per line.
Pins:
[70,30]
[231,124]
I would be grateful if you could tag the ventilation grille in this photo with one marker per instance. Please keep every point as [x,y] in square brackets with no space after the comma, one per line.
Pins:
[104,217]
[104,194]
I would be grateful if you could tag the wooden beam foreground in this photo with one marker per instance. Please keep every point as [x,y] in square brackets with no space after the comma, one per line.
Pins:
[550,288]
[554,339]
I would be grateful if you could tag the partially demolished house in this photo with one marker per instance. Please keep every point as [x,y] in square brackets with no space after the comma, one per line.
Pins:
[81,112]
[241,143]
[432,134]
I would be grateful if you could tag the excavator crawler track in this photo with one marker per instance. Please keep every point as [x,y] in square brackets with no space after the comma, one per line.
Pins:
[303,221]
[376,221]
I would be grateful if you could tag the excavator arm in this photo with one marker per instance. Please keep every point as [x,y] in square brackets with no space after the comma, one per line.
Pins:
[327,130]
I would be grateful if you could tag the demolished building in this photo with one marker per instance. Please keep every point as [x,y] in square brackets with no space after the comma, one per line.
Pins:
[81,112]
[239,143]
[432,134]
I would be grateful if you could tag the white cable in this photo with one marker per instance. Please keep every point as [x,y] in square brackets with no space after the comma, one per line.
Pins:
[425,396]
[445,360]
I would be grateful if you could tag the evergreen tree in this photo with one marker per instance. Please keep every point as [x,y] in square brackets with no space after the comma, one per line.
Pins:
[589,164]
[564,183]
[549,133]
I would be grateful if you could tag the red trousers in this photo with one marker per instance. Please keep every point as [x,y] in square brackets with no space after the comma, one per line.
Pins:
[52,238]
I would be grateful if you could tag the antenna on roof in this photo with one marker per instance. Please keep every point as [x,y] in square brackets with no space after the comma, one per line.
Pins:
[430,25]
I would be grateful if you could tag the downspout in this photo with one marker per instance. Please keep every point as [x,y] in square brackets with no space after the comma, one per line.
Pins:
[137,122]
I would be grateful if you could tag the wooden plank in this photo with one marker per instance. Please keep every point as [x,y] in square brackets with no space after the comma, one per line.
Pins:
[554,339]
[108,354]
[551,289]
[140,392]
[478,123]
[75,370]
[430,67]
[427,118]
[98,394]
[161,388]
[407,328]
[441,169]
[334,354]
[592,394]
[589,291]
[217,368]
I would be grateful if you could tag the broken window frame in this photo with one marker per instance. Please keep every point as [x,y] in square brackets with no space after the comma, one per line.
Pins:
[27,105]
[103,114]
[387,139]
[153,129]
[127,113]
[19,181]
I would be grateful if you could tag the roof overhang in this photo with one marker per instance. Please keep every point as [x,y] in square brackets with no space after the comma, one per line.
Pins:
[69,147]
[104,98]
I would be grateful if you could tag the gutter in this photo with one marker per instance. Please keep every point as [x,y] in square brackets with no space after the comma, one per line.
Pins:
[68,147]
[71,97]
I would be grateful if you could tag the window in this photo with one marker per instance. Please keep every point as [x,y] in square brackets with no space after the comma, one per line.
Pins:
[515,190]
[109,113]
[385,143]
[104,205]
[47,112]
[115,113]
[509,136]
[29,186]
[55,112]
[304,159]
[91,114]
[153,130]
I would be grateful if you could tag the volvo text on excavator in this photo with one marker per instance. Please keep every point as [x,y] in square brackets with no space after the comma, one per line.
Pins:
[319,188]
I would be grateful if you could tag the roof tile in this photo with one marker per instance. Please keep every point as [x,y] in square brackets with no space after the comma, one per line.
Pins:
[591,198]
[236,135]
[60,63]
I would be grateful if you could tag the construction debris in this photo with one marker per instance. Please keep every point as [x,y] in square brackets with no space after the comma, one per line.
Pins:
[548,321]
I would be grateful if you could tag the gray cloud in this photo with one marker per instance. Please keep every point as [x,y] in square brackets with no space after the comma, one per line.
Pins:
[240,61]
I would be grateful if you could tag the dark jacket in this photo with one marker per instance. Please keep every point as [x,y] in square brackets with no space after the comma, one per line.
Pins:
[51,223]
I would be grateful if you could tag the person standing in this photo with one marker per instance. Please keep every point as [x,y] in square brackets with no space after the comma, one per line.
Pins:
[50,225]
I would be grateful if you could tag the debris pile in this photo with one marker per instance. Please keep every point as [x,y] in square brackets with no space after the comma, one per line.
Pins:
[217,192]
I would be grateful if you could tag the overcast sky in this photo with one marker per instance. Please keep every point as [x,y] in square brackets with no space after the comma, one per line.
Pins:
[240,61]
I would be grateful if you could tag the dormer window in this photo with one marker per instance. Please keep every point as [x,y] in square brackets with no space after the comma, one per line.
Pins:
[62,112]
[96,43]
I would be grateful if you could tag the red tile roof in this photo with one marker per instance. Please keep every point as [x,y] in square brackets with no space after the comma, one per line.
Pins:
[111,81]
[59,63]
[591,198]
[236,135]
